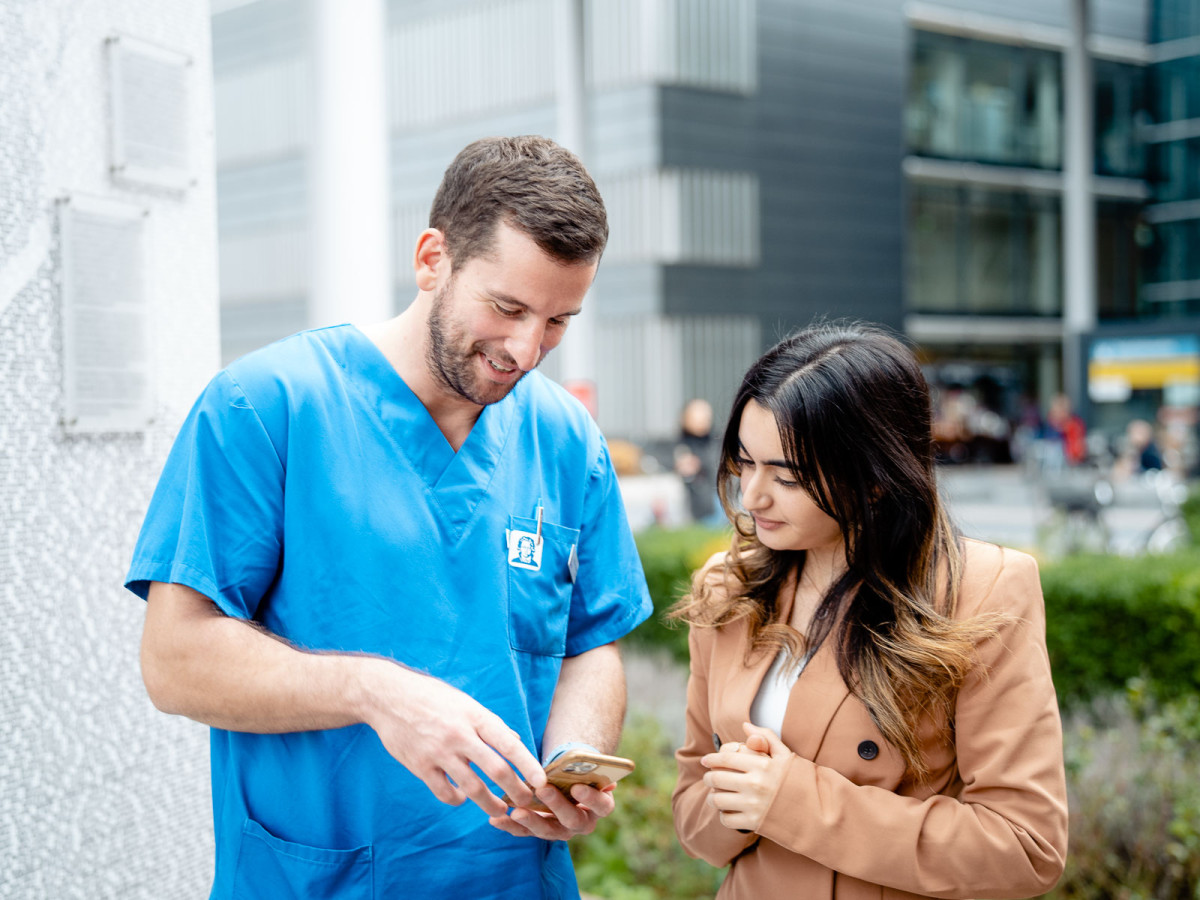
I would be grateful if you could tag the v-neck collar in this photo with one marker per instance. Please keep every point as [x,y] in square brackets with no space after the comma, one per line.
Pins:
[455,481]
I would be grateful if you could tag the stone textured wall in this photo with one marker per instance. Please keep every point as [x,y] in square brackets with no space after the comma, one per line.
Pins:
[100,795]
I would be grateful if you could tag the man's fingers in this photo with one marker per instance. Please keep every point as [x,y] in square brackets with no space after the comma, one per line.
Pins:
[549,827]
[508,744]
[473,787]
[599,803]
[563,809]
[496,767]
[439,784]
[506,824]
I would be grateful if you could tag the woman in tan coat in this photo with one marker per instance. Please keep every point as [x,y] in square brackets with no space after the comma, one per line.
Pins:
[870,710]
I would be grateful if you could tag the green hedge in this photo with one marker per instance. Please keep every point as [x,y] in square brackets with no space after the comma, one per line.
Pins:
[634,854]
[669,557]
[1109,618]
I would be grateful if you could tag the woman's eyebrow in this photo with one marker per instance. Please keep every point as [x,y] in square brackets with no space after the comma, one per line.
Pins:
[773,463]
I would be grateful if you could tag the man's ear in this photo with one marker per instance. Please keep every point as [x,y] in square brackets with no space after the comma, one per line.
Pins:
[430,258]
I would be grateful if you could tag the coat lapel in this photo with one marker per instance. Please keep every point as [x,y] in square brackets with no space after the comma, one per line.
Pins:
[816,697]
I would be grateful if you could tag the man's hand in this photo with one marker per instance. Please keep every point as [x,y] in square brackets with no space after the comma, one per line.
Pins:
[437,732]
[565,819]
[744,778]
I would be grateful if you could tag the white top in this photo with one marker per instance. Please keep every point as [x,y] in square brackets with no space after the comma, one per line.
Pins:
[771,701]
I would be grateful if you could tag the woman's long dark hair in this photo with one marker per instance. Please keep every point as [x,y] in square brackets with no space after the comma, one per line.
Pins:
[854,417]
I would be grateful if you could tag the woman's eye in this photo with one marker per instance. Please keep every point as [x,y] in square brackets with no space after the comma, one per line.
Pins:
[742,463]
[783,482]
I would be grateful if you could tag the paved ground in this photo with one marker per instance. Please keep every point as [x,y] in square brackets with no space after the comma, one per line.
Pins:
[1003,504]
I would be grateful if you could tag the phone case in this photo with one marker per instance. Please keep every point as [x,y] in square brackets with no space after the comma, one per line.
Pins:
[582,767]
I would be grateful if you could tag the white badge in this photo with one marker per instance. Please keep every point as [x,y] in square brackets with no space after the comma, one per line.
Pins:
[524,549]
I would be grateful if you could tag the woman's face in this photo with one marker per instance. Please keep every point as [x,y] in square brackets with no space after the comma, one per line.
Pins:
[785,516]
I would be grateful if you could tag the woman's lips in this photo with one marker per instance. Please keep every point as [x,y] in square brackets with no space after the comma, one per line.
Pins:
[766,524]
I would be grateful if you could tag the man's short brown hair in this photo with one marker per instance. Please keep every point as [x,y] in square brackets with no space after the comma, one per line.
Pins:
[528,182]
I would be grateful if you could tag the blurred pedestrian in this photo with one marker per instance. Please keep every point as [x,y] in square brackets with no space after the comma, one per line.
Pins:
[696,459]
[1138,451]
[870,702]
[1064,432]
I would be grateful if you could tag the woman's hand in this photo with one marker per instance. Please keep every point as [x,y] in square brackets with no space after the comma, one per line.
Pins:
[744,778]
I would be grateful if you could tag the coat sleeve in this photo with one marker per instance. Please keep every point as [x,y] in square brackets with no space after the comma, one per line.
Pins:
[1004,834]
[700,831]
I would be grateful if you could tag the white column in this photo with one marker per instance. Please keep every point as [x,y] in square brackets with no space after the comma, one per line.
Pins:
[1079,202]
[577,352]
[349,188]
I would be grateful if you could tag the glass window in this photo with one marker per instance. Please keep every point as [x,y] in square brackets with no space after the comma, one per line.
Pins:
[1119,234]
[1120,110]
[1174,19]
[1039,269]
[972,250]
[1177,170]
[933,254]
[983,101]
[1174,85]
[991,255]
[1171,256]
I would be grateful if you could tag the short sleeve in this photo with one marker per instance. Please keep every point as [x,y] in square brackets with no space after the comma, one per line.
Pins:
[610,597]
[215,520]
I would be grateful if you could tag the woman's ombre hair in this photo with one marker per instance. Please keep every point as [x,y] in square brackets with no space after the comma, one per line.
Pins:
[854,416]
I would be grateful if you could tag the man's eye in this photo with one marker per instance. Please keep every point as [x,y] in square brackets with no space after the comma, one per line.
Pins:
[559,323]
[505,311]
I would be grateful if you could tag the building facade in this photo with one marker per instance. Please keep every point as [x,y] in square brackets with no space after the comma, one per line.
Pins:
[108,331]
[749,159]
[1148,365]
[766,162]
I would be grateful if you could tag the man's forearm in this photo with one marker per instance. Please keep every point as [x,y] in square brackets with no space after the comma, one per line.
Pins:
[230,674]
[589,701]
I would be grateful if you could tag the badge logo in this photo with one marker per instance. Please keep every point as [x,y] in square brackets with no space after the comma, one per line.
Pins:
[524,549]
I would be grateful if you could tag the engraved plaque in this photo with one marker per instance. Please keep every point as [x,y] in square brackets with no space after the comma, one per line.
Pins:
[106,383]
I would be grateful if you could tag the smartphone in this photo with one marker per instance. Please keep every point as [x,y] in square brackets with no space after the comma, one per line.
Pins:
[582,767]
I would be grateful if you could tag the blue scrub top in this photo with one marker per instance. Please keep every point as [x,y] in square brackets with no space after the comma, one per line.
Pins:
[310,490]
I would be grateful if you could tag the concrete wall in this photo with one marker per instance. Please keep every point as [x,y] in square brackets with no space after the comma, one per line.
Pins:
[100,795]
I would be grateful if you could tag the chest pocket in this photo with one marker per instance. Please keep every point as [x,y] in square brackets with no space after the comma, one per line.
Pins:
[539,587]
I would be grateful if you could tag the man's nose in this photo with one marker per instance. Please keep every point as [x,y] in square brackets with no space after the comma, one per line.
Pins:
[525,346]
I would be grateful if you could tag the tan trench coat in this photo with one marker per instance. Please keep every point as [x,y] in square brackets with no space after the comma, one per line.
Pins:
[846,823]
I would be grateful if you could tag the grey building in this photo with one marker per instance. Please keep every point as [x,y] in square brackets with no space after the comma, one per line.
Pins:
[765,162]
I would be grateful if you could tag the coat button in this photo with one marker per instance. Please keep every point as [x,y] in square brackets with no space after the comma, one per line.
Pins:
[868,750]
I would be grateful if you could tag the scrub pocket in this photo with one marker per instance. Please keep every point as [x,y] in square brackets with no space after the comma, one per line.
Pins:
[282,870]
[539,599]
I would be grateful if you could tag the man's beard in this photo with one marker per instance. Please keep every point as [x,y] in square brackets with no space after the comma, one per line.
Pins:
[457,370]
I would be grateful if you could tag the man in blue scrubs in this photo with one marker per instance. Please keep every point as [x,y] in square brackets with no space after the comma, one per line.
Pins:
[388,566]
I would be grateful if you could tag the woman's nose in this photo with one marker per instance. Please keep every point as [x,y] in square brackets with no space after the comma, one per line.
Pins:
[753,497]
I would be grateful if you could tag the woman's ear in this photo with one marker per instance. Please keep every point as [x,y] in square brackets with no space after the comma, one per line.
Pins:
[430,258]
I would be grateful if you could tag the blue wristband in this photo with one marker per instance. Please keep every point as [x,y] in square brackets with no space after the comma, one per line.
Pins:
[563,748]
